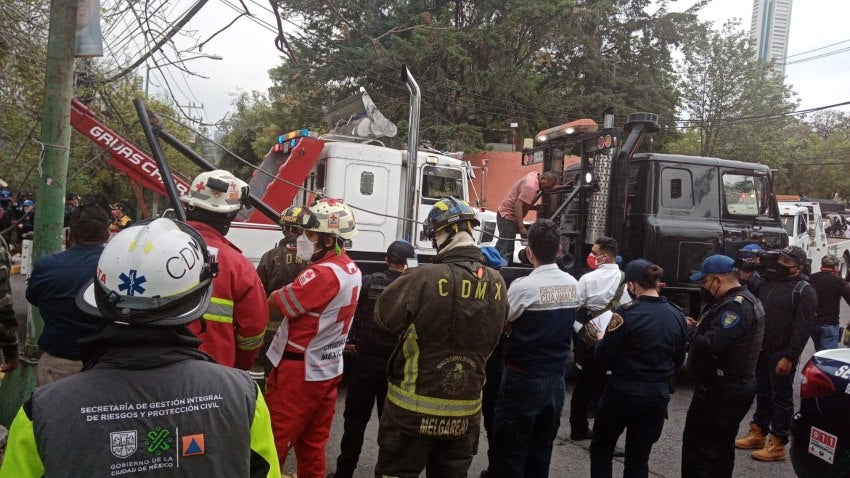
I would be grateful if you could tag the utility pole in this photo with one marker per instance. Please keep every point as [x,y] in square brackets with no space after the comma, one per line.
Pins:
[50,196]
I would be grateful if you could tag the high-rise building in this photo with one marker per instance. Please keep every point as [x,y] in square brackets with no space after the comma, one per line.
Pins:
[770,28]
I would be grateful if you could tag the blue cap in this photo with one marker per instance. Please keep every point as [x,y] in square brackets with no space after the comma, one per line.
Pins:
[749,250]
[28,202]
[636,270]
[492,258]
[716,264]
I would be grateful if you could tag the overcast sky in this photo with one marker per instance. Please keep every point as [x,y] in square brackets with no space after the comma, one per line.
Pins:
[248,51]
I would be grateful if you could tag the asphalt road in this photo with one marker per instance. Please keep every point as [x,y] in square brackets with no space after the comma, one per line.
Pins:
[568,458]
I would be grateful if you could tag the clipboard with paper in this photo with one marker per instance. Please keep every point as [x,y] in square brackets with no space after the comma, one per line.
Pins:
[275,351]
[600,322]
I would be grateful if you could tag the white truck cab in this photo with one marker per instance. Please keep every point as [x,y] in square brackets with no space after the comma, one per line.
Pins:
[805,226]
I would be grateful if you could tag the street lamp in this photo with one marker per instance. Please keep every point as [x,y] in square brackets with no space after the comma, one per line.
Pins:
[182,60]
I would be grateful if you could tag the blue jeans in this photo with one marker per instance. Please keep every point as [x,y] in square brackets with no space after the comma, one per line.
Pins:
[774,396]
[508,228]
[528,415]
[825,337]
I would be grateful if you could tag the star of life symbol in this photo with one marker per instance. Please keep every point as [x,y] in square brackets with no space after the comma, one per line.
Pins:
[123,444]
[131,283]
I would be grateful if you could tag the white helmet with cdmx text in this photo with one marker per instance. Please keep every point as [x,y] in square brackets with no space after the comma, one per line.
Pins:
[157,272]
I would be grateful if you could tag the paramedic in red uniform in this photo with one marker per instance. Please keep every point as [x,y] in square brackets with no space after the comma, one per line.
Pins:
[233,327]
[316,312]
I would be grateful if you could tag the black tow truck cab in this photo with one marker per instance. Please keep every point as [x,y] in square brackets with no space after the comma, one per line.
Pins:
[670,209]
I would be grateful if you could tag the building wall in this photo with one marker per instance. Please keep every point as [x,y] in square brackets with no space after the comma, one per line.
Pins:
[770,28]
[503,170]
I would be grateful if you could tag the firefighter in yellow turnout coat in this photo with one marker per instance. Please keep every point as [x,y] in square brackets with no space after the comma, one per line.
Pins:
[449,315]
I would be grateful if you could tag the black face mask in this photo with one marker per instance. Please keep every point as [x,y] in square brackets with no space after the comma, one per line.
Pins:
[783,271]
[706,296]
[631,291]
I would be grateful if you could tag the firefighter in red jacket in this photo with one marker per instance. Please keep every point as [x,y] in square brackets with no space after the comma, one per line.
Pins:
[316,312]
[233,327]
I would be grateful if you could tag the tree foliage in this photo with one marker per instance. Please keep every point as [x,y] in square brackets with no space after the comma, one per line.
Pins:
[23,44]
[731,100]
[481,64]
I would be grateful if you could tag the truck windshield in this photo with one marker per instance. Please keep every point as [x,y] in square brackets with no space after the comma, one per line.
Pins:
[439,182]
[745,194]
[788,224]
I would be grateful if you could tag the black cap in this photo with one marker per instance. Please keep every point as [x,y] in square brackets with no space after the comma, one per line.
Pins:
[71,196]
[636,271]
[794,253]
[399,252]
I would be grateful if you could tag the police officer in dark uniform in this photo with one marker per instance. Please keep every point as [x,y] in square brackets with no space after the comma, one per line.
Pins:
[724,347]
[372,348]
[642,345]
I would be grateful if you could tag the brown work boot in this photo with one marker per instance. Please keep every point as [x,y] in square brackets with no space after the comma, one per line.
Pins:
[773,451]
[753,440]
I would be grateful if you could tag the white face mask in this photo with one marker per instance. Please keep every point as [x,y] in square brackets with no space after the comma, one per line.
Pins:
[304,247]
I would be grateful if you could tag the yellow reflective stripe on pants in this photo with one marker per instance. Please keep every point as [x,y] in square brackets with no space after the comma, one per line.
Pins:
[220,310]
[249,343]
[432,405]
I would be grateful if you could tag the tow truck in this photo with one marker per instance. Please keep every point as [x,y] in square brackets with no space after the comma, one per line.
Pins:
[673,210]
[391,196]
[670,209]
[803,220]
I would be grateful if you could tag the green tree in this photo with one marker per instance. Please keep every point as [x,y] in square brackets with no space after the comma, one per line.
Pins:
[23,44]
[481,64]
[817,152]
[731,100]
[249,131]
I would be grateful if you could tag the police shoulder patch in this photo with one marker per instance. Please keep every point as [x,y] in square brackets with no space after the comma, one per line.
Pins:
[615,322]
[729,319]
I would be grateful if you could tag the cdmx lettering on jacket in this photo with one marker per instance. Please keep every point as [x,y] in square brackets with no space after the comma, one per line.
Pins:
[469,290]
[127,152]
[554,294]
[443,427]
[187,257]
[288,258]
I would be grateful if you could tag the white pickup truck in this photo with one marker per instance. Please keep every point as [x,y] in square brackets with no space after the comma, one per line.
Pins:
[805,226]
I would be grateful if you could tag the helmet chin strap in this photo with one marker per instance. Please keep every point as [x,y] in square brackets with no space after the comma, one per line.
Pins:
[444,240]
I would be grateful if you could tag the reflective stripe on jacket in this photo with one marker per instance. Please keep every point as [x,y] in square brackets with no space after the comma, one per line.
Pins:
[237,317]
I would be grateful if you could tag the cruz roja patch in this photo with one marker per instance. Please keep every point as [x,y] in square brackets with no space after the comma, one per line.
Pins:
[729,319]
[615,322]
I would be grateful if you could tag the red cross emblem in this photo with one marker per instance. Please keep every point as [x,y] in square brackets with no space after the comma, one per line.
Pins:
[200,186]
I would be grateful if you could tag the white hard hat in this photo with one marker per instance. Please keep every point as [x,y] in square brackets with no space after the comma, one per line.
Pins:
[330,216]
[155,272]
[216,191]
